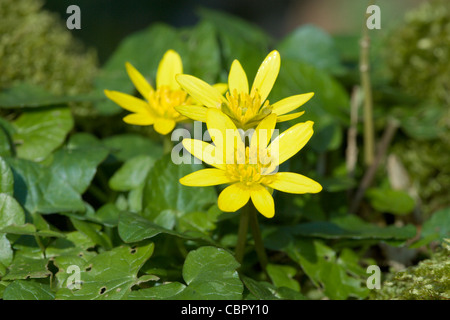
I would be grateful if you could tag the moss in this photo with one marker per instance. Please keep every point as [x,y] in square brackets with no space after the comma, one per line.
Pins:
[36,47]
[429,280]
[419,54]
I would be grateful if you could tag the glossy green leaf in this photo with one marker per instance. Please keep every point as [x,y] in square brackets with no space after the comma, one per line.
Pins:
[11,213]
[24,267]
[28,290]
[38,190]
[438,225]
[239,40]
[163,190]
[92,231]
[110,275]
[318,261]
[210,274]
[160,292]
[391,201]
[282,276]
[39,132]
[132,173]
[311,45]
[77,165]
[27,95]
[127,146]
[6,178]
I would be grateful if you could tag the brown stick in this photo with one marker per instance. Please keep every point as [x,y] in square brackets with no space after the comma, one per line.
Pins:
[367,179]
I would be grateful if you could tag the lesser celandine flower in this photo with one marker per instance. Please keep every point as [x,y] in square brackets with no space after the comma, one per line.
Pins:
[250,170]
[158,106]
[245,106]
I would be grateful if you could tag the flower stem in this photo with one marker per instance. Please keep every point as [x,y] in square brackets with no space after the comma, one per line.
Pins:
[242,234]
[167,144]
[259,245]
[364,68]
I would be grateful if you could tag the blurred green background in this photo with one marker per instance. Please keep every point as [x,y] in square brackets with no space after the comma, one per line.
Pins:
[106,22]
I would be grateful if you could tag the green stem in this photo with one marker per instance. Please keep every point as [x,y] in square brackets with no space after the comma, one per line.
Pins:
[364,68]
[256,232]
[242,234]
[167,144]
[40,244]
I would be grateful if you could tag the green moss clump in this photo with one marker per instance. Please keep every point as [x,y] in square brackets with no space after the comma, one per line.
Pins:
[429,280]
[36,47]
[419,54]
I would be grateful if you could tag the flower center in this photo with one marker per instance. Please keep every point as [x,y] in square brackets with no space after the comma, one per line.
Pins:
[164,100]
[257,167]
[244,109]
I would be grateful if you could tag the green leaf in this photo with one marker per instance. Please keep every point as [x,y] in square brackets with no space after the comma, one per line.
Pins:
[11,213]
[238,40]
[318,261]
[347,227]
[210,274]
[163,190]
[38,190]
[263,290]
[281,276]
[29,229]
[132,173]
[110,275]
[92,231]
[160,292]
[133,228]
[143,49]
[260,289]
[27,95]
[76,166]
[28,290]
[328,108]
[6,178]
[74,243]
[39,132]
[5,145]
[127,146]
[311,45]
[438,225]
[24,267]
[391,201]
[203,52]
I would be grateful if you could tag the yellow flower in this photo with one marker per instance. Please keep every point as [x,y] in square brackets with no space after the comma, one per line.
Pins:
[245,107]
[158,108]
[250,170]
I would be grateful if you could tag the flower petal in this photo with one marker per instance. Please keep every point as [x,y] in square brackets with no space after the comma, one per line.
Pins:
[291,141]
[201,91]
[263,201]
[169,66]
[290,116]
[139,81]
[205,177]
[233,197]
[266,75]
[164,125]
[290,103]
[139,119]
[127,101]
[194,112]
[264,131]
[225,135]
[293,183]
[222,87]
[204,151]
[237,79]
